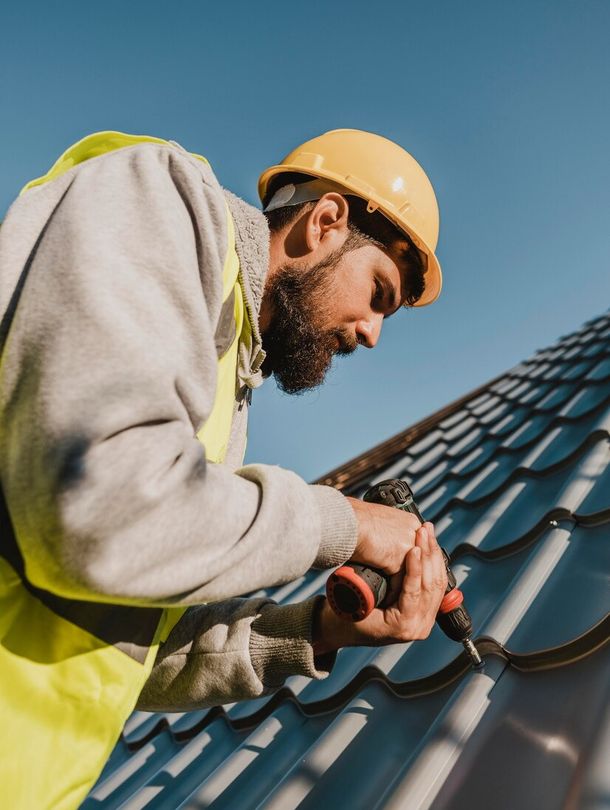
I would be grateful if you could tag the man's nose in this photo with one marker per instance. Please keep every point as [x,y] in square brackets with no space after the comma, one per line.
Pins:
[368,330]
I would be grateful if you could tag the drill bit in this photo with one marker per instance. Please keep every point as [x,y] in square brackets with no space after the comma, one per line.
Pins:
[473,653]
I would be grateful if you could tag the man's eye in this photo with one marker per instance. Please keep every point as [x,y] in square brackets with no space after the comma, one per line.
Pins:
[378,296]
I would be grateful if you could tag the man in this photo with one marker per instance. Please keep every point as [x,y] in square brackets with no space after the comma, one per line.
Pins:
[141,305]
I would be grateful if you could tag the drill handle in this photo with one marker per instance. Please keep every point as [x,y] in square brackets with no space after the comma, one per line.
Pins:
[354,590]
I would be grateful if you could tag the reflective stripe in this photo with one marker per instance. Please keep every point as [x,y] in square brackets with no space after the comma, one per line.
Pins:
[91,146]
[215,432]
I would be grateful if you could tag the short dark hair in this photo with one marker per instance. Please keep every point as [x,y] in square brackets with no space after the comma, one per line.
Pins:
[375,227]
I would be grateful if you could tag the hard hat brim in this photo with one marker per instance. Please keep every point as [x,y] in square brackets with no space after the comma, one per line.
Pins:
[433,275]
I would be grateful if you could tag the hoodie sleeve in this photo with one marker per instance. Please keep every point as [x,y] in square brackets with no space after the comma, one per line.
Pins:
[108,370]
[234,650]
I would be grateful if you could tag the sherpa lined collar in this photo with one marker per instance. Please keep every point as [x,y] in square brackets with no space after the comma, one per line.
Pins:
[252,245]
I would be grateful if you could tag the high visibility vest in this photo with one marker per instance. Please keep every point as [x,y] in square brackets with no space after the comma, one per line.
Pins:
[71,671]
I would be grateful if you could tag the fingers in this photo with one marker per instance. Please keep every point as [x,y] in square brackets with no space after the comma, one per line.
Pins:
[411,584]
[425,580]
[422,571]
[424,583]
[419,571]
[427,564]
[438,561]
[410,595]
[394,588]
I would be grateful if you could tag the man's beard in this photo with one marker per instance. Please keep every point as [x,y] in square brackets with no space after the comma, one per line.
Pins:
[299,350]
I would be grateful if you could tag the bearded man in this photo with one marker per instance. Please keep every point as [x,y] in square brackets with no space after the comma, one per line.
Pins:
[141,305]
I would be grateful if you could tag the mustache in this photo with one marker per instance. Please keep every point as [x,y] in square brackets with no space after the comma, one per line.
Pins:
[347,342]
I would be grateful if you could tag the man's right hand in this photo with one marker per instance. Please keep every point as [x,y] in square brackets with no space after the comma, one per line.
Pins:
[385,535]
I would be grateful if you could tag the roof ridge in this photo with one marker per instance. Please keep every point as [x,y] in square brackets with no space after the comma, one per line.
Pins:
[557,514]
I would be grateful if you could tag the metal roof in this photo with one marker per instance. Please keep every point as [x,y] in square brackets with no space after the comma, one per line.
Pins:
[516,477]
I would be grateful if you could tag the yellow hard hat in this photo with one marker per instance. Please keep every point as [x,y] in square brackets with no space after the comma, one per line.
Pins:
[383,174]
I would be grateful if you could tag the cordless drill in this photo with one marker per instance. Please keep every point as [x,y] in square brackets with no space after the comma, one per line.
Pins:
[353,590]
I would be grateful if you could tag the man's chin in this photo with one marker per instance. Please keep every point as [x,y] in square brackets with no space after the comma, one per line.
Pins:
[292,381]
[296,387]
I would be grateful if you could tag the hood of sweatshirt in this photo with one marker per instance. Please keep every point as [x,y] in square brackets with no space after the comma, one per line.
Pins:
[252,245]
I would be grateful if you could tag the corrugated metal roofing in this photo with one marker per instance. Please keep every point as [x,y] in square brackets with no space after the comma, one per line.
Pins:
[516,477]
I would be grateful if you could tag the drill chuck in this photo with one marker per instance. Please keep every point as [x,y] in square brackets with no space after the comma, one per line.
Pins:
[354,590]
[455,623]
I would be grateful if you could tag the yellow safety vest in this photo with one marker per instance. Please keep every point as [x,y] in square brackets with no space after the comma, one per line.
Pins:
[70,671]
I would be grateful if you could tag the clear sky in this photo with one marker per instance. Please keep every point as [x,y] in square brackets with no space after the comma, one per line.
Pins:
[505,104]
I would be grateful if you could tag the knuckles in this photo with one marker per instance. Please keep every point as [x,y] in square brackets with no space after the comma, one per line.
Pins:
[410,519]
[440,583]
[414,634]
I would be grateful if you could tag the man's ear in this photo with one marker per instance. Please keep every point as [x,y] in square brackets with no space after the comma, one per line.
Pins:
[327,223]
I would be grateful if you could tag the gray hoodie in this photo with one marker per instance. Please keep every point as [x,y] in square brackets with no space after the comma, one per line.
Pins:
[110,294]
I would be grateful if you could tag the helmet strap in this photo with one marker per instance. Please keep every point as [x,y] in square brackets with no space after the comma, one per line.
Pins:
[292,194]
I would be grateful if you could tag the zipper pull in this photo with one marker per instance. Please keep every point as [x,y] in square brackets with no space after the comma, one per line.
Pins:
[245,395]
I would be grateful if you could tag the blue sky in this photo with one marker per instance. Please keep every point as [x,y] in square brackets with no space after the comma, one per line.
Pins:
[506,105]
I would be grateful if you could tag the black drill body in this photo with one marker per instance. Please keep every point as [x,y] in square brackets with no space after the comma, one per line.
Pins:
[453,618]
